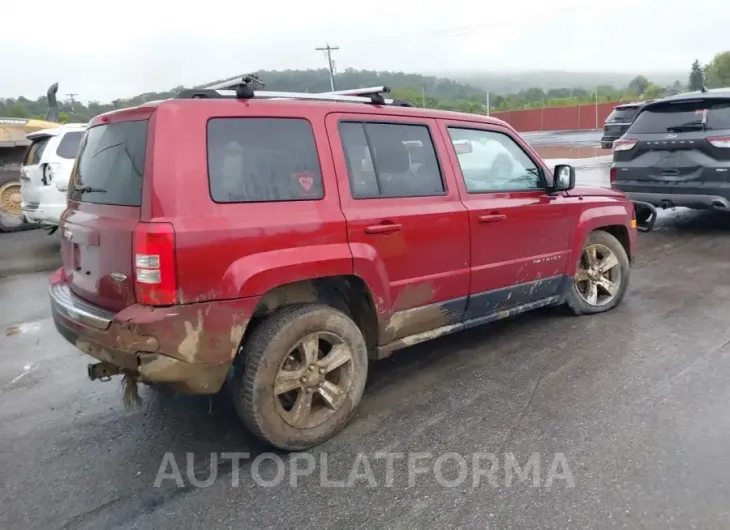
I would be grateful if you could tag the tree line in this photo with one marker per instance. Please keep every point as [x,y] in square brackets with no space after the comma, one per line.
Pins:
[422,91]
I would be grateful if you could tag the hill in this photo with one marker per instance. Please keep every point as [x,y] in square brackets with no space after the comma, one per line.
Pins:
[510,82]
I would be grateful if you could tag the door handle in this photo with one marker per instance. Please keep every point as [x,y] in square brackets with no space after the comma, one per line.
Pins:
[385,228]
[492,218]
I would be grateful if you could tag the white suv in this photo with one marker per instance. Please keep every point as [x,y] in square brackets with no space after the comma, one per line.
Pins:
[46,171]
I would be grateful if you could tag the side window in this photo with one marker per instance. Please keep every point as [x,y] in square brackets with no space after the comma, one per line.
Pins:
[68,148]
[263,160]
[386,160]
[492,161]
[35,151]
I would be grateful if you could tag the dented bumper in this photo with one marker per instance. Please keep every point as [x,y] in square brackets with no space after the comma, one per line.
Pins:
[190,347]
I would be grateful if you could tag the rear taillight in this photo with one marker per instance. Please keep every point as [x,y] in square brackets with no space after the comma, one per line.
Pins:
[624,145]
[612,174]
[155,277]
[720,141]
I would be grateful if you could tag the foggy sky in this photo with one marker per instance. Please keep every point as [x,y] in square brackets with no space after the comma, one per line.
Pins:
[133,46]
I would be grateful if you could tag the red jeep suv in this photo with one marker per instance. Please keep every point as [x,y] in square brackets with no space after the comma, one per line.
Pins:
[278,241]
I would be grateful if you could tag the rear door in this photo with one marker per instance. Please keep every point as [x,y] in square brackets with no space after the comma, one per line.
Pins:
[403,212]
[675,143]
[105,195]
[32,174]
[520,235]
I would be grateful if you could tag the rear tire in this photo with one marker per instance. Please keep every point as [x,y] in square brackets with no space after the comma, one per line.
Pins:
[602,275]
[9,220]
[301,376]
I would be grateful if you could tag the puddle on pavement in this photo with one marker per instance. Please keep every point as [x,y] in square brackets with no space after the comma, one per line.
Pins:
[567,151]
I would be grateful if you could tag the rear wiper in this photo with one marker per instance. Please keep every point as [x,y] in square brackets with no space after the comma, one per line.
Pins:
[694,125]
[88,189]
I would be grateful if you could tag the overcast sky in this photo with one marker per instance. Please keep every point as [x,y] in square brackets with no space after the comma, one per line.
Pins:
[118,49]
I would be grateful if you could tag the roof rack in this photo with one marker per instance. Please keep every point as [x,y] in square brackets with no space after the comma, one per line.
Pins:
[244,88]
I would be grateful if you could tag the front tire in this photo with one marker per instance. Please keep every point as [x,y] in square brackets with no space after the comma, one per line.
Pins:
[602,275]
[301,376]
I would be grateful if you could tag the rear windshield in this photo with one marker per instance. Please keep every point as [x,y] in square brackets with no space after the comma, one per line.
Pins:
[35,151]
[110,164]
[667,117]
[68,147]
[623,115]
[263,160]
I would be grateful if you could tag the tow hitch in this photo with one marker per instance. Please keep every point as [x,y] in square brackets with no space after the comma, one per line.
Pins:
[641,208]
[102,371]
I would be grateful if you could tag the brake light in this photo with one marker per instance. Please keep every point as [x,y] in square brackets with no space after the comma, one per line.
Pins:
[612,174]
[624,145]
[155,275]
[720,141]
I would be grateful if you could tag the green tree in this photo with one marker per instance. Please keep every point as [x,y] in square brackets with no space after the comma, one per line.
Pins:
[696,76]
[63,117]
[653,91]
[718,71]
[638,85]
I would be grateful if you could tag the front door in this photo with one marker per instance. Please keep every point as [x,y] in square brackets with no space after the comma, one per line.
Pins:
[520,234]
[407,228]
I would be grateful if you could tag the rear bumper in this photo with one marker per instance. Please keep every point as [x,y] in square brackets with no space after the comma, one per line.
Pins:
[671,200]
[46,214]
[190,347]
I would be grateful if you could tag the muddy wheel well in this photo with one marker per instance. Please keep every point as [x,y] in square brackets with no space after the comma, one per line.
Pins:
[621,233]
[349,294]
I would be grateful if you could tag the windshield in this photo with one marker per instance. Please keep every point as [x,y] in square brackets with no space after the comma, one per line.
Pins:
[683,116]
[623,114]
[110,164]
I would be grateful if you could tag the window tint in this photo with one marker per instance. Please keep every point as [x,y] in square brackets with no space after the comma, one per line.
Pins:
[111,163]
[390,160]
[263,160]
[492,161]
[35,151]
[686,115]
[623,115]
[69,146]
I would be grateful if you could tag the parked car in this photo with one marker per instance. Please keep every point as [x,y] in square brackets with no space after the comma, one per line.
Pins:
[618,122]
[279,244]
[45,173]
[677,152]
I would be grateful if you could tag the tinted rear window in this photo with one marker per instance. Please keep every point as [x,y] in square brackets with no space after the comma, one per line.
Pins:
[662,118]
[68,147]
[263,160]
[35,151]
[111,163]
[623,115]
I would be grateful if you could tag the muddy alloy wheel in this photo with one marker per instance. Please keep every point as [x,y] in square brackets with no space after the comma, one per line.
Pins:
[601,277]
[301,374]
[313,380]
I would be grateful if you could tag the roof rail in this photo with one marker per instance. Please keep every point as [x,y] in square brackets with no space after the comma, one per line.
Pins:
[243,88]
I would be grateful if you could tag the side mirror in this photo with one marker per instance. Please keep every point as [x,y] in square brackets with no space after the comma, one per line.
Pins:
[564,177]
[462,147]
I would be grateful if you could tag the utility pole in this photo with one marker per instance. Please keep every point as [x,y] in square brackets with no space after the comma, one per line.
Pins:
[328,51]
[596,107]
[487,103]
[72,95]
[423,96]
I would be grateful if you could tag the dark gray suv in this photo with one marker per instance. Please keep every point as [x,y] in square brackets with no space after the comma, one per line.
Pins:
[677,152]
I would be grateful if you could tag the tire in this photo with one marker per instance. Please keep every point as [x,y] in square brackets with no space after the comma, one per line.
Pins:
[265,354]
[577,292]
[8,221]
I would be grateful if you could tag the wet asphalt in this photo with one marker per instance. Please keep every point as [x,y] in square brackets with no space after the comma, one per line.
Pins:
[627,411]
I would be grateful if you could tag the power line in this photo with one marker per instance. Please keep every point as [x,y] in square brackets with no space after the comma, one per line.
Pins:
[328,51]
